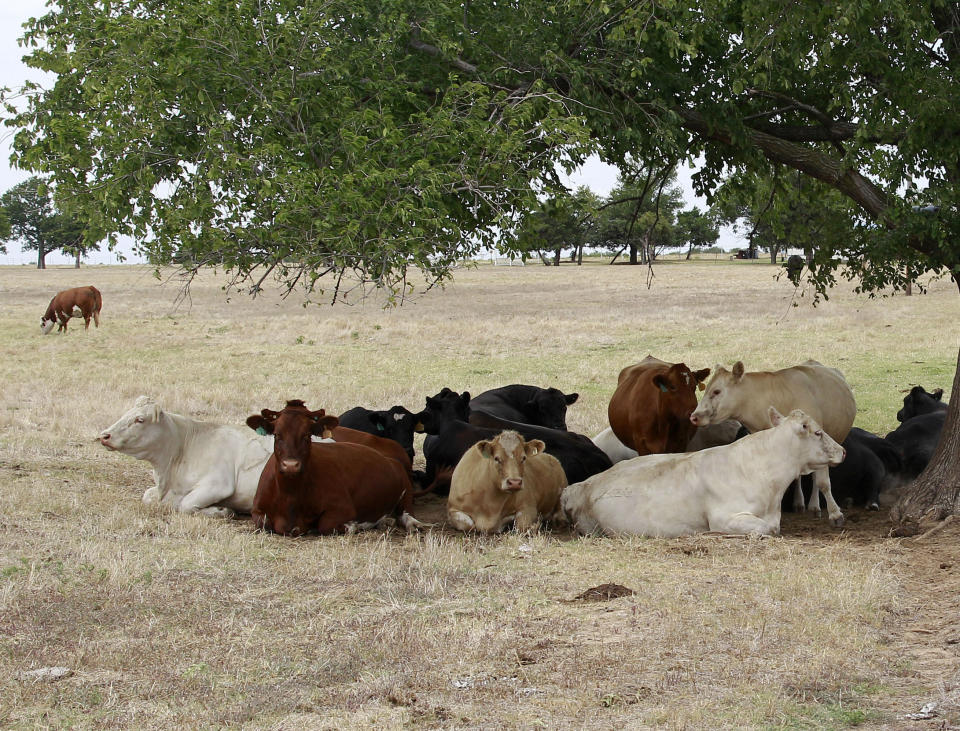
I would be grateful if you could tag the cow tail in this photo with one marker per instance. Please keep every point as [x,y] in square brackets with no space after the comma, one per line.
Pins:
[97,300]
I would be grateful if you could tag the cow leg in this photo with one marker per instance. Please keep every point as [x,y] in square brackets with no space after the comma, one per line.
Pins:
[86,322]
[96,318]
[745,524]
[205,495]
[410,523]
[151,496]
[461,521]
[821,485]
[355,527]
[798,505]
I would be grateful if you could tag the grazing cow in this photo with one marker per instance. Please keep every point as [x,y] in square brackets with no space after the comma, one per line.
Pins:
[77,302]
[198,466]
[650,409]
[732,489]
[396,423]
[527,404]
[504,480]
[917,439]
[794,266]
[872,465]
[446,416]
[326,488]
[821,392]
[918,402]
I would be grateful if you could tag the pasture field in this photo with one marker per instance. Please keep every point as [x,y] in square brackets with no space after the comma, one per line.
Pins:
[173,621]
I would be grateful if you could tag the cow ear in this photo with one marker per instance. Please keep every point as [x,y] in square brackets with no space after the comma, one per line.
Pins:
[260,424]
[776,418]
[323,424]
[535,446]
[571,398]
[269,415]
[738,370]
[465,397]
[938,394]
[486,448]
[701,375]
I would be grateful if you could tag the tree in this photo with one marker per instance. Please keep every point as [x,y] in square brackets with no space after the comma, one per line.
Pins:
[698,230]
[560,222]
[4,229]
[37,224]
[303,138]
[639,212]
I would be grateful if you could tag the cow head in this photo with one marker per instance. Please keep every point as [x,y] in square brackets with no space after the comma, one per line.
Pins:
[46,325]
[292,430]
[918,402]
[548,407]
[443,408]
[718,403]
[818,449]
[508,451]
[398,424]
[138,431]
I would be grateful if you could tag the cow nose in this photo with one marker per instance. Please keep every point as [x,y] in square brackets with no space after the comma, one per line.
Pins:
[290,465]
[694,419]
[105,437]
[513,483]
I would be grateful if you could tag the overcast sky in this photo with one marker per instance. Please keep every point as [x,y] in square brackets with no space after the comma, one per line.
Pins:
[13,13]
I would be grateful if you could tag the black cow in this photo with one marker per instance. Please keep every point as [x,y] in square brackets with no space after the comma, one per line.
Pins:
[397,423]
[918,402]
[452,435]
[527,404]
[917,439]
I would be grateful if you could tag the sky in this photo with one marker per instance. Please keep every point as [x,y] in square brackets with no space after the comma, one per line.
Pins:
[600,178]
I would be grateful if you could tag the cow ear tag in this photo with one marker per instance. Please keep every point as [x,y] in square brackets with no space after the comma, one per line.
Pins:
[379,427]
[701,386]
[418,427]
[662,387]
[261,431]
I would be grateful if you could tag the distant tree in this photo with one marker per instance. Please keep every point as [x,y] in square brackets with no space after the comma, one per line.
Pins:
[639,213]
[558,223]
[4,229]
[697,229]
[38,225]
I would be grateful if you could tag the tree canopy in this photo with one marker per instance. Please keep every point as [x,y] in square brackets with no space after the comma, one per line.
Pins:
[33,219]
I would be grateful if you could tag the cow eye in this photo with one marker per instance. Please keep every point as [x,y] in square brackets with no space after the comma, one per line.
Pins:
[716,392]
[138,420]
[819,432]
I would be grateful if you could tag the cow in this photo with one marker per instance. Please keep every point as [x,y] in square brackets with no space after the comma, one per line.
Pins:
[821,392]
[794,266]
[83,302]
[396,423]
[734,488]
[326,488]
[454,428]
[527,404]
[918,402]
[712,435]
[917,439]
[198,466]
[504,480]
[872,466]
[651,406]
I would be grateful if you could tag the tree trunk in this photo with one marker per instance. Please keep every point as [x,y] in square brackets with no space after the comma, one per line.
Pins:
[774,250]
[808,255]
[935,494]
[77,261]
[689,251]
[41,257]
[556,257]
[580,255]
[633,253]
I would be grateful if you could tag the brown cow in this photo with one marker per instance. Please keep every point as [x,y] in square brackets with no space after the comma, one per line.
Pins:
[79,301]
[503,480]
[650,410]
[326,487]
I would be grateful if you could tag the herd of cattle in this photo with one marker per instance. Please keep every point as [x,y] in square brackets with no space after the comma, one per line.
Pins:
[666,466]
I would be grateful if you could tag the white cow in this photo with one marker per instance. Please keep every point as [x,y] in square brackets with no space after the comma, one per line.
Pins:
[198,466]
[734,488]
[819,391]
[712,435]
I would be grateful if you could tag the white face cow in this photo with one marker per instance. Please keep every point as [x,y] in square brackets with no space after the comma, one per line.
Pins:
[509,453]
[136,431]
[46,326]
[721,399]
[818,449]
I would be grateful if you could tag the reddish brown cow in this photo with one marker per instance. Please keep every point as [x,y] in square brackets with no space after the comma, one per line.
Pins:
[331,487]
[65,304]
[650,410]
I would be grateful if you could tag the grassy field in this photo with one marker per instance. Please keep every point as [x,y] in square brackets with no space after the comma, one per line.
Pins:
[173,621]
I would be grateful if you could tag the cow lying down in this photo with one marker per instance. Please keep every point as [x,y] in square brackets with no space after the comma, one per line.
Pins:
[731,489]
[198,466]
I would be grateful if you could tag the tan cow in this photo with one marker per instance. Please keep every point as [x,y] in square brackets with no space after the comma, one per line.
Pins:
[504,480]
[819,391]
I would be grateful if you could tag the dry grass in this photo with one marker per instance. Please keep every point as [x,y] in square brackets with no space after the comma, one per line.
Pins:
[172,621]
